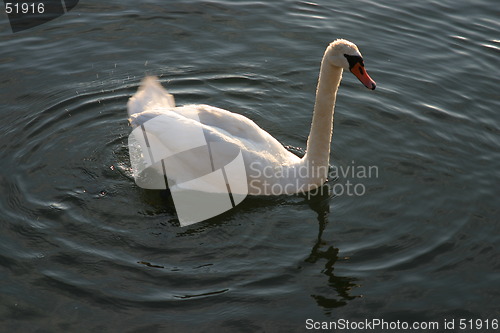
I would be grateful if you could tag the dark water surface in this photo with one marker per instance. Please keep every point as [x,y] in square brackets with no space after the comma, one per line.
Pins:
[82,248]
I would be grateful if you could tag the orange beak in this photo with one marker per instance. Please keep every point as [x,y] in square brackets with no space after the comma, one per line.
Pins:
[359,71]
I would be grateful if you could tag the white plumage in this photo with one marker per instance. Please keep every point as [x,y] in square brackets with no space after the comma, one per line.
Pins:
[270,168]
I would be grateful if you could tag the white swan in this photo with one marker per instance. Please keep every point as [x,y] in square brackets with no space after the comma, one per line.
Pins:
[270,168]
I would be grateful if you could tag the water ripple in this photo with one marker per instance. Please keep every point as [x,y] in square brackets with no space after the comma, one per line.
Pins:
[80,237]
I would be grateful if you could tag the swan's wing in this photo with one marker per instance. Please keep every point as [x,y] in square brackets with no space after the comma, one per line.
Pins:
[223,125]
[178,134]
[218,125]
[152,100]
[234,124]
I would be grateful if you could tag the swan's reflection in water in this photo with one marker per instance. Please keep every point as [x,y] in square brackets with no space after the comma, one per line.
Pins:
[322,251]
[329,292]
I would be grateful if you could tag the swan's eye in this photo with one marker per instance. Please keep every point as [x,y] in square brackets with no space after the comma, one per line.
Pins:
[353,60]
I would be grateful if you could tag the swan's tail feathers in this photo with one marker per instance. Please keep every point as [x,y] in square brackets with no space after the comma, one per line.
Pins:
[150,94]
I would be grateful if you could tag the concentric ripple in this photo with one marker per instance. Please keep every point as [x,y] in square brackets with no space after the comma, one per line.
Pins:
[83,248]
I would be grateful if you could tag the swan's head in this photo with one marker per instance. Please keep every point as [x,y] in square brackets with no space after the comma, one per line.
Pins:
[344,54]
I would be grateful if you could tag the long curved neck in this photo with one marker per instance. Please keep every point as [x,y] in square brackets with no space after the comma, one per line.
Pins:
[320,137]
